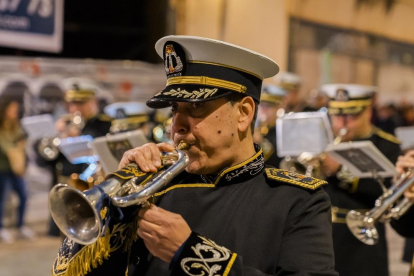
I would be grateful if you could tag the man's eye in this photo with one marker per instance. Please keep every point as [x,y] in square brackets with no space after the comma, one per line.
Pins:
[196,105]
[173,107]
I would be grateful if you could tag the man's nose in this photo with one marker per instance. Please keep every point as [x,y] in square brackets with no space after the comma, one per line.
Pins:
[180,123]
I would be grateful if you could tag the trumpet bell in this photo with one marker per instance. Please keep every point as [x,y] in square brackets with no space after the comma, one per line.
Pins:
[362,227]
[81,216]
[75,213]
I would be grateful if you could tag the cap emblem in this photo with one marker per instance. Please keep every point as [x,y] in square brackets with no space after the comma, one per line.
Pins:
[75,87]
[342,95]
[172,61]
[120,113]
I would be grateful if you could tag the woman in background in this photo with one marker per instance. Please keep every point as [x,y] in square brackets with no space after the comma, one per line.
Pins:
[12,165]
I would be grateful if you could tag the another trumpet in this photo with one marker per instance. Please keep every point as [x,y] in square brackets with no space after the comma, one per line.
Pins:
[388,206]
[81,215]
[48,146]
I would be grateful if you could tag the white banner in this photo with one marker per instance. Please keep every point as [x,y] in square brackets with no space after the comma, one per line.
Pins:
[32,24]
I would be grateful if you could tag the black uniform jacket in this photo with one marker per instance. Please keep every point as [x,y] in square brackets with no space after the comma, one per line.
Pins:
[248,220]
[353,257]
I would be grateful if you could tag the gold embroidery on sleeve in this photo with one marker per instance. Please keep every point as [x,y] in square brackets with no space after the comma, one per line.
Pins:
[203,264]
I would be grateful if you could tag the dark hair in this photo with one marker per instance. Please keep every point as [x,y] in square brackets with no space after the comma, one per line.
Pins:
[234,97]
[5,102]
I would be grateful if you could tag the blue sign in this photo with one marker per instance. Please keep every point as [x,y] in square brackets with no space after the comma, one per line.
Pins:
[33,16]
[32,24]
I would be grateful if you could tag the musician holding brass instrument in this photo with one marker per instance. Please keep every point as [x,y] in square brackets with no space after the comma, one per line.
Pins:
[83,119]
[405,224]
[265,133]
[217,210]
[350,112]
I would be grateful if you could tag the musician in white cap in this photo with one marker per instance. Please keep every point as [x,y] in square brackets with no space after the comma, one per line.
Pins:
[226,214]
[350,112]
[81,98]
[83,119]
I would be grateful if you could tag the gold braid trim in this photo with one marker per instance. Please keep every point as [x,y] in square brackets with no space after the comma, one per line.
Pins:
[386,136]
[94,254]
[230,264]
[131,235]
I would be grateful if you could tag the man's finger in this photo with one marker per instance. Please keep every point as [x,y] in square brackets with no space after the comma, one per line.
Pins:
[156,156]
[146,236]
[157,215]
[124,160]
[152,215]
[165,147]
[148,226]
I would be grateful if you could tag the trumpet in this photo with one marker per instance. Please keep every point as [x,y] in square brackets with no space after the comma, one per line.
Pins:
[310,164]
[342,132]
[307,164]
[48,146]
[81,216]
[388,206]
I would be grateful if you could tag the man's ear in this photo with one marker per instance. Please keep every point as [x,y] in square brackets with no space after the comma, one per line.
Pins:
[246,110]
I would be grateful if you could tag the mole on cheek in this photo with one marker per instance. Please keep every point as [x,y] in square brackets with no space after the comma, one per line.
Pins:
[232,134]
[219,131]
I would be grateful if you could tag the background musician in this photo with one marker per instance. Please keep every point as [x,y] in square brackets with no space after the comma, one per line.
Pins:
[350,109]
[80,99]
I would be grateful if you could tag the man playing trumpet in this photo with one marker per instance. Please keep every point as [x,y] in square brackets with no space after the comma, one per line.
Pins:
[226,214]
[80,99]
[405,225]
[350,110]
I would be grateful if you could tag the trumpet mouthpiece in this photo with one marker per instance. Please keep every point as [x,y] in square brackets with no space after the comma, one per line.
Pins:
[183,145]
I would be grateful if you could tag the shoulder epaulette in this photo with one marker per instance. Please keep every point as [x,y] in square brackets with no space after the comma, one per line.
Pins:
[104,117]
[386,136]
[293,178]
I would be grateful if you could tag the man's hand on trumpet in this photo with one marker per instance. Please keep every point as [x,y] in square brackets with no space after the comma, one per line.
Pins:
[147,157]
[163,232]
[403,164]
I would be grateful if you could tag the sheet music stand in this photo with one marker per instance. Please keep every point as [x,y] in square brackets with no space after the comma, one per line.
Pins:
[78,149]
[303,132]
[363,159]
[111,148]
[39,126]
